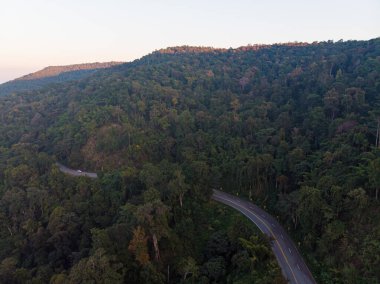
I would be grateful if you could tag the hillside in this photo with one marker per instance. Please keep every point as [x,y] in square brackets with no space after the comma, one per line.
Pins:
[51,75]
[293,127]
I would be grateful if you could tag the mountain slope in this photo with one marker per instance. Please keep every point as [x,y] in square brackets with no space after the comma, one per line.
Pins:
[292,127]
[53,74]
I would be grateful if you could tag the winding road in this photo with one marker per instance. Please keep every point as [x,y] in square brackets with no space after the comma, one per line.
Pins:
[290,260]
[77,173]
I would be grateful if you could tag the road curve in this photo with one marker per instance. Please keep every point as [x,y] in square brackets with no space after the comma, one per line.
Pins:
[290,260]
[76,173]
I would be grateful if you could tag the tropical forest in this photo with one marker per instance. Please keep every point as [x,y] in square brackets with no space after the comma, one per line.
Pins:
[293,128]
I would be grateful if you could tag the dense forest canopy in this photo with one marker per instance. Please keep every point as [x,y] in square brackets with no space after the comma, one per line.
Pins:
[294,127]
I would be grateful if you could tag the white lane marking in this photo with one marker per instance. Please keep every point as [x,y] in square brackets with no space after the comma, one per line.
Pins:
[282,237]
[289,250]
[298,267]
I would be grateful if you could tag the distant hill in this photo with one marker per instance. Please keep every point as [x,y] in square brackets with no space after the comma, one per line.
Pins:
[51,75]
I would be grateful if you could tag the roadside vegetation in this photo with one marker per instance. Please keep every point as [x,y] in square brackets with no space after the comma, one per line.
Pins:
[293,127]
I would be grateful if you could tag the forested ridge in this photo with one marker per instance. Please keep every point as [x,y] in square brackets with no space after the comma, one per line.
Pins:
[294,127]
[52,75]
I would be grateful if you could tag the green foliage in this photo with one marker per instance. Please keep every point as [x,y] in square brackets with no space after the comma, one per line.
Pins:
[293,127]
[98,268]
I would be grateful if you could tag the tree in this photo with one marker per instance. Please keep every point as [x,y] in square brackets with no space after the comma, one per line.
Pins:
[153,216]
[98,268]
[312,210]
[332,102]
[374,176]
[177,186]
[214,269]
[257,251]
[188,268]
[138,246]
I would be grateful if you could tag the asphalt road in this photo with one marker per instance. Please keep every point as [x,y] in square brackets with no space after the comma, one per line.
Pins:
[77,173]
[290,260]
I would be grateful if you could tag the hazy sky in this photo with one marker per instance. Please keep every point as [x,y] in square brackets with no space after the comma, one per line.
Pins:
[38,33]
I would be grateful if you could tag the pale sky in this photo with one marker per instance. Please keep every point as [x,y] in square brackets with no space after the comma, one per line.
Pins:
[39,33]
